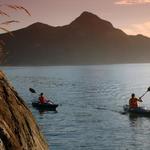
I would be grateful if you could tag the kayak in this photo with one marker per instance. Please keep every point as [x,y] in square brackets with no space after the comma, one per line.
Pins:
[45,106]
[141,111]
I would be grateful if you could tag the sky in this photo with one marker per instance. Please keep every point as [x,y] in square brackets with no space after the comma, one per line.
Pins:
[132,16]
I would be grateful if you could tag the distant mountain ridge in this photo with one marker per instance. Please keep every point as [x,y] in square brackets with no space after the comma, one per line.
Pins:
[87,40]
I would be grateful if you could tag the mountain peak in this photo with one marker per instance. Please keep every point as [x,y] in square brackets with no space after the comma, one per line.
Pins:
[88,14]
[87,40]
[39,25]
[87,19]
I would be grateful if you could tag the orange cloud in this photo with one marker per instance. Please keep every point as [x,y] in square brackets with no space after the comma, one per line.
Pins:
[143,28]
[131,2]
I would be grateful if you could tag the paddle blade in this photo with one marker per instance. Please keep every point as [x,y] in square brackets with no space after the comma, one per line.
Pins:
[32,90]
[148,89]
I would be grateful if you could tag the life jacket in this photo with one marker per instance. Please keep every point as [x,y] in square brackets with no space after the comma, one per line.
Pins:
[42,100]
[133,103]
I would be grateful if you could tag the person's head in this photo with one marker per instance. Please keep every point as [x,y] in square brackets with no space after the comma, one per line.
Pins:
[41,94]
[132,95]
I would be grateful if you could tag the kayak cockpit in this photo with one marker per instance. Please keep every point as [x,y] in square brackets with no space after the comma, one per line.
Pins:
[138,111]
[45,106]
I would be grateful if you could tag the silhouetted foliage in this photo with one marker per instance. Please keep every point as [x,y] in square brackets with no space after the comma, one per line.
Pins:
[6,13]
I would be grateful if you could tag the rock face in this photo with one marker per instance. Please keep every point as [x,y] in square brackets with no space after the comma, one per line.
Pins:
[18,129]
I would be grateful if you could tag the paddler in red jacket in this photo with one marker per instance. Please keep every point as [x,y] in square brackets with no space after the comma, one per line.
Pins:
[133,102]
[42,99]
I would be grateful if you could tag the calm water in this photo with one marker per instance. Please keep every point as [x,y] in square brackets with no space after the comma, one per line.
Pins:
[91,99]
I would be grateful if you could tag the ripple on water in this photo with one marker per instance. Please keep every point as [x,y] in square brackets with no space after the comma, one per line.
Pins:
[90,100]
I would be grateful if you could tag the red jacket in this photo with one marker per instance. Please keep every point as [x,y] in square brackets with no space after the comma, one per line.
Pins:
[133,103]
[42,100]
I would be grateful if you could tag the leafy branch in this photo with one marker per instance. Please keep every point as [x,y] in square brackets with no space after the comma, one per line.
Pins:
[5,12]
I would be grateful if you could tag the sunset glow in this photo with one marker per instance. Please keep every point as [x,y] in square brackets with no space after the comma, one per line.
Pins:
[132,16]
[143,28]
[130,2]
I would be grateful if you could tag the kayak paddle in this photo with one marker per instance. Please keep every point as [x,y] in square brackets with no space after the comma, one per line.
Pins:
[145,93]
[32,90]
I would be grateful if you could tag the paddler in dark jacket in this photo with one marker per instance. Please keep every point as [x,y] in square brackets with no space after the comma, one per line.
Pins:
[133,102]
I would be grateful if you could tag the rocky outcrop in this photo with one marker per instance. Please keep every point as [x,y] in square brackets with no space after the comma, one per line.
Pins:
[18,128]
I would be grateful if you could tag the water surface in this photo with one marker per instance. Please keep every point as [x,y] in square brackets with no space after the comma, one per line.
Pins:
[90,99]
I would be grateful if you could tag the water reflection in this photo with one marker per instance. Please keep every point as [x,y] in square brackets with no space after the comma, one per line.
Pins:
[134,120]
[136,125]
[42,111]
[91,98]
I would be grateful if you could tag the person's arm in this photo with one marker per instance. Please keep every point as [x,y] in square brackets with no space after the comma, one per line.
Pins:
[140,100]
[39,100]
[44,99]
[129,102]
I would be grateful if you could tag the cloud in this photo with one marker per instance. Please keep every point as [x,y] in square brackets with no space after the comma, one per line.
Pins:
[131,2]
[142,28]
